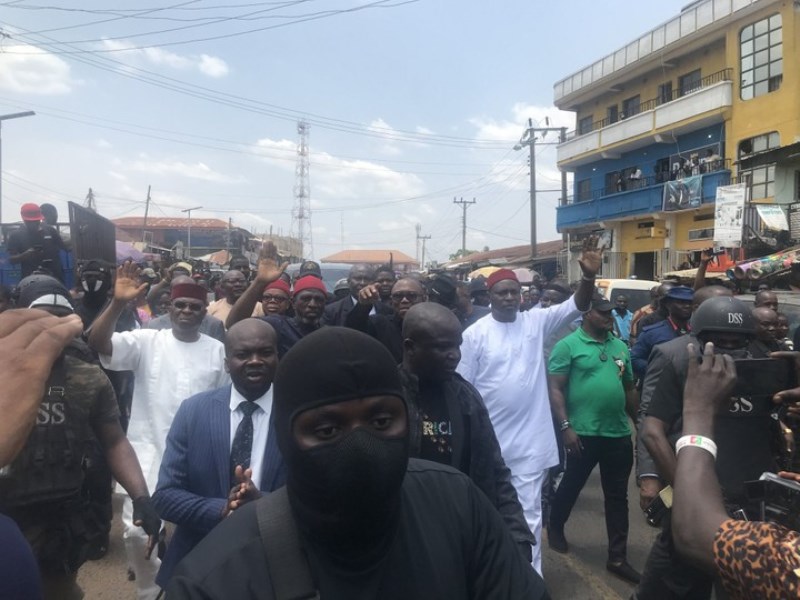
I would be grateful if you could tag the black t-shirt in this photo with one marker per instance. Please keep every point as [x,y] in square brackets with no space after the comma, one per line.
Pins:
[743,436]
[50,242]
[436,430]
[451,543]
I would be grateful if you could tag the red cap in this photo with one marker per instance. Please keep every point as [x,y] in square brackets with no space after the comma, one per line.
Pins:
[30,212]
[279,284]
[189,290]
[309,282]
[501,275]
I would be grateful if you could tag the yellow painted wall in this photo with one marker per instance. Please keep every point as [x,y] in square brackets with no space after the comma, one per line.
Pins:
[630,243]
[779,110]
[710,60]
[684,221]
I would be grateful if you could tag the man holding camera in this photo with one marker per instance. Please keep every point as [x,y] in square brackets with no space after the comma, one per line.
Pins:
[745,433]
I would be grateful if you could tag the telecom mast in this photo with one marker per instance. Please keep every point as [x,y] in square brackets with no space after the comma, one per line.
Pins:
[301,213]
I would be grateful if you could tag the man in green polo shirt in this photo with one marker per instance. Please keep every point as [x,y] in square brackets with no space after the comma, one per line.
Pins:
[591,390]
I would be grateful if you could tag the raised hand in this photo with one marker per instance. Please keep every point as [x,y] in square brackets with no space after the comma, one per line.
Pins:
[127,286]
[591,259]
[268,268]
[710,381]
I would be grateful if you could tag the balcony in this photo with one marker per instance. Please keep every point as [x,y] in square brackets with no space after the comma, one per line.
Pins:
[646,198]
[672,115]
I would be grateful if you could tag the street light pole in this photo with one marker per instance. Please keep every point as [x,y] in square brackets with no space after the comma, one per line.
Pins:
[189,229]
[27,113]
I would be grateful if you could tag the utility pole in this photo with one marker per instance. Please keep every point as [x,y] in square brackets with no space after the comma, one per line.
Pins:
[464,206]
[424,238]
[418,229]
[146,210]
[529,139]
[189,230]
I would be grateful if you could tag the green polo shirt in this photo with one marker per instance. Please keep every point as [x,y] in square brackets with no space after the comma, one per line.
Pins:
[595,393]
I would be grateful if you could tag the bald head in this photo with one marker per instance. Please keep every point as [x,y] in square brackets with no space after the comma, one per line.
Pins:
[707,292]
[423,319]
[247,329]
[431,342]
[766,323]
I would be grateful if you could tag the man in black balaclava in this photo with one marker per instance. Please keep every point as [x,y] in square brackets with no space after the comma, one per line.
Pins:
[371,523]
[95,281]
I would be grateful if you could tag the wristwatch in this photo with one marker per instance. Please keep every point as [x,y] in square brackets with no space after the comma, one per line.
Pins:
[564,425]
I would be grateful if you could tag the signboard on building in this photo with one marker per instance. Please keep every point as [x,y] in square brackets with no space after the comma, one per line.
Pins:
[683,194]
[773,216]
[729,215]
[794,221]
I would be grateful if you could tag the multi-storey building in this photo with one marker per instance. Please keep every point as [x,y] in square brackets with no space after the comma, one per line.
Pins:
[708,98]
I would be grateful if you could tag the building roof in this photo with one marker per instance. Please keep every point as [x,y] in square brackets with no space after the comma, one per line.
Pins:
[512,254]
[371,257]
[168,223]
[693,24]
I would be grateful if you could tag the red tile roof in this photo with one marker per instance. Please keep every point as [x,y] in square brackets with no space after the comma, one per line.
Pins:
[372,257]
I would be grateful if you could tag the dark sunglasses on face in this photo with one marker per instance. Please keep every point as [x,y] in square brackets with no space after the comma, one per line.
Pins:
[410,296]
[269,298]
[193,306]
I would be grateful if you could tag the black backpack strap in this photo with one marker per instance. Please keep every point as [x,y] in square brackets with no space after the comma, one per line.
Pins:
[288,566]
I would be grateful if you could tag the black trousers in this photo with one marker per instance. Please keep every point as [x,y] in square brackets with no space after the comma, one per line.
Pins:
[615,457]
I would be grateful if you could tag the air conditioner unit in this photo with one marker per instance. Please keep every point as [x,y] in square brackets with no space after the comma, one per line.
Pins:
[651,232]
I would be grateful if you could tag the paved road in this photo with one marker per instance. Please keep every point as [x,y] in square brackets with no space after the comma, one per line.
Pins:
[579,575]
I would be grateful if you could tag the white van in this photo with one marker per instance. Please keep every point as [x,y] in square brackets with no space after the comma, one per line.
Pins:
[637,291]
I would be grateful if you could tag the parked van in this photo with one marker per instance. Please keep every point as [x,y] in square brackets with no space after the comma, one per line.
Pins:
[637,291]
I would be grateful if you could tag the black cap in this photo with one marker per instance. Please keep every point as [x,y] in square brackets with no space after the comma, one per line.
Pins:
[601,303]
[443,290]
[478,285]
[309,267]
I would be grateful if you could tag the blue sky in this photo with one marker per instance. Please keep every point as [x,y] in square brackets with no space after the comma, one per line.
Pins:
[411,104]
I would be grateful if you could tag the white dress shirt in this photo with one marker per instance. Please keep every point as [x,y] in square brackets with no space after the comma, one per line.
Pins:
[505,362]
[260,428]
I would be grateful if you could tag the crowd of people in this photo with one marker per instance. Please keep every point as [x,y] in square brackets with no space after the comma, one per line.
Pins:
[414,438]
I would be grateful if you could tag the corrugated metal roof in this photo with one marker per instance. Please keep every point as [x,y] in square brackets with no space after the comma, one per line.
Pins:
[168,223]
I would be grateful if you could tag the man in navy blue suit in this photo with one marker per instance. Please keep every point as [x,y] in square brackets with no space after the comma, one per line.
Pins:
[221,445]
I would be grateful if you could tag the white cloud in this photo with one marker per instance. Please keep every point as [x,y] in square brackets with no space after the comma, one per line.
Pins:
[198,170]
[30,70]
[211,66]
[103,144]
[512,129]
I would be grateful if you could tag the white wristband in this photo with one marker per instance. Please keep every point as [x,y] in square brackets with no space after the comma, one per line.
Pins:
[698,441]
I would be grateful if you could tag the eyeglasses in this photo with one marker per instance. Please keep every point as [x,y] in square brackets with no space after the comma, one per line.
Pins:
[410,296]
[193,306]
[270,298]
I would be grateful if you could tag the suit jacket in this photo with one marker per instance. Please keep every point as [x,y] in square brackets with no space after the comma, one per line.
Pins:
[194,479]
[336,312]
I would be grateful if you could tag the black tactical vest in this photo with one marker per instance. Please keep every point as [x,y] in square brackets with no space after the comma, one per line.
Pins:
[50,467]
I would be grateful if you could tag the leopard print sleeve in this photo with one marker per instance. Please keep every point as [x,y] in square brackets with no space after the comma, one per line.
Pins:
[758,560]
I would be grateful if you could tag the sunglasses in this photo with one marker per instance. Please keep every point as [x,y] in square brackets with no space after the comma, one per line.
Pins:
[410,296]
[193,306]
[270,298]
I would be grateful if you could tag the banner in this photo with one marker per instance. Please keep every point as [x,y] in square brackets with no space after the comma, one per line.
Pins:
[773,216]
[683,194]
[729,215]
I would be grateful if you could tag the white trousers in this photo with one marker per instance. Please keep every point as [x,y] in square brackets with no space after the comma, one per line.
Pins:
[135,545]
[529,491]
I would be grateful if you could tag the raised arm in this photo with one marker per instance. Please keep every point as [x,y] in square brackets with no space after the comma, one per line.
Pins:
[591,261]
[698,511]
[32,340]
[268,271]
[126,289]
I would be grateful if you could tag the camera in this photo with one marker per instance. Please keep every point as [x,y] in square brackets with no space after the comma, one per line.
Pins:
[778,499]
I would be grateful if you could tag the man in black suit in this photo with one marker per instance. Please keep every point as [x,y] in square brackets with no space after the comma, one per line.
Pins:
[336,312]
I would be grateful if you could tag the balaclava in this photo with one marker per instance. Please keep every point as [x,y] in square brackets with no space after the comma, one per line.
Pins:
[345,495]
